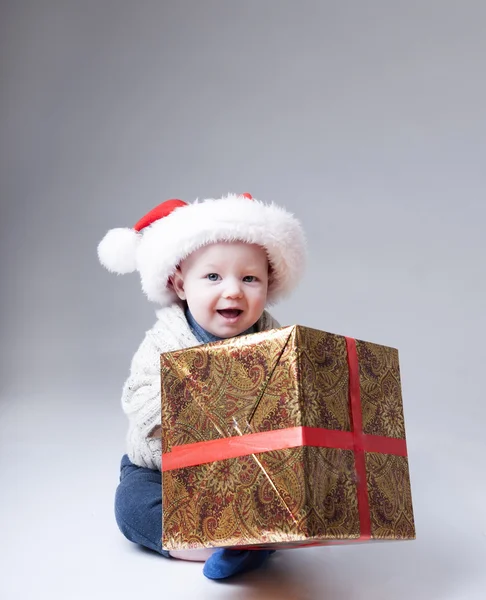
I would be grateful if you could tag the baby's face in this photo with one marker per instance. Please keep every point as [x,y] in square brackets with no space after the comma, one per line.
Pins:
[225,286]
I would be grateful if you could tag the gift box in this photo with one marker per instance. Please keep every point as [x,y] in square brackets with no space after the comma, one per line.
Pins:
[283,438]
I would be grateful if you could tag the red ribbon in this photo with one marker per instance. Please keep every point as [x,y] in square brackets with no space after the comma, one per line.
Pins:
[189,455]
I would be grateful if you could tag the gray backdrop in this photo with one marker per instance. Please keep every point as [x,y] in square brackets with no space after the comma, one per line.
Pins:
[368,120]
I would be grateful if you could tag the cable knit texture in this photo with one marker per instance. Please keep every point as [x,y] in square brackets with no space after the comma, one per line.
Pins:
[141,392]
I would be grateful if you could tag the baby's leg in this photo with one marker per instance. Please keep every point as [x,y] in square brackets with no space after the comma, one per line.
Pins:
[138,511]
[200,555]
[138,505]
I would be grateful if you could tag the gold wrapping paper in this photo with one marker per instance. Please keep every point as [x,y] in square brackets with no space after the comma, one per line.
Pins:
[275,380]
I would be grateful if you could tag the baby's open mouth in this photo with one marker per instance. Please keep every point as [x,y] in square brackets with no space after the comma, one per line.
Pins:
[230,313]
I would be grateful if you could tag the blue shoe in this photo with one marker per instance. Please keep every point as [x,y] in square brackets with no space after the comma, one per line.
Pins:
[226,563]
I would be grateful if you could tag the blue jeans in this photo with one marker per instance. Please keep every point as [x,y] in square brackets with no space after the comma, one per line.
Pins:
[138,505]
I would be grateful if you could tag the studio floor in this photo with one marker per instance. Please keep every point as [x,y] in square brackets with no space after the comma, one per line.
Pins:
[59,538]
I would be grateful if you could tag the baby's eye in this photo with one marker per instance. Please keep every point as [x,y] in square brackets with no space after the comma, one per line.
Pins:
[249,278]
[213,276]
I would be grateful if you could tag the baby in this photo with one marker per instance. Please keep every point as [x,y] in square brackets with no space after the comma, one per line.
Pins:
[213,267]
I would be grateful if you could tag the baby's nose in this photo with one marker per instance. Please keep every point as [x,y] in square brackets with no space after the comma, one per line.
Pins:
[233,289]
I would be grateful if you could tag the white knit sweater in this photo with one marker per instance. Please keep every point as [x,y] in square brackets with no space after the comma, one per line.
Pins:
[141,392]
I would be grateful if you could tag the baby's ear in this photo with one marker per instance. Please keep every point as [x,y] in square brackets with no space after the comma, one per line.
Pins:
[271,275]
[177,282]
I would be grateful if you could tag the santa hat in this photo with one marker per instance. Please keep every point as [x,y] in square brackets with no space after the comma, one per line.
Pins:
[171,231]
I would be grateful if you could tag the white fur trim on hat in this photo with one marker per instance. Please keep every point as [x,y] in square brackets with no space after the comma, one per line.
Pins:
[160,247]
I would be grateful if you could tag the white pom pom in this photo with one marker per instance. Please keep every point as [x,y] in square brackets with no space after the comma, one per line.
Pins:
[117,250]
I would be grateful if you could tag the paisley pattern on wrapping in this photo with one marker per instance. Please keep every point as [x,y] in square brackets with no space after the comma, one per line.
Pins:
[213,391]
[262,499]
[390,496]
[380,388]
[268,381]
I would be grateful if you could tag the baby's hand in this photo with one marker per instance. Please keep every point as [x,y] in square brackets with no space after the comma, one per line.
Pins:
[156,431]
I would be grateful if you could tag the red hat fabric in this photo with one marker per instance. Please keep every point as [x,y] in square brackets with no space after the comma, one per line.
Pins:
[159,212]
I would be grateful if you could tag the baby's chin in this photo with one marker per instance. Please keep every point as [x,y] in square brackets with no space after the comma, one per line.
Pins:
[229,330]
[228,334]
